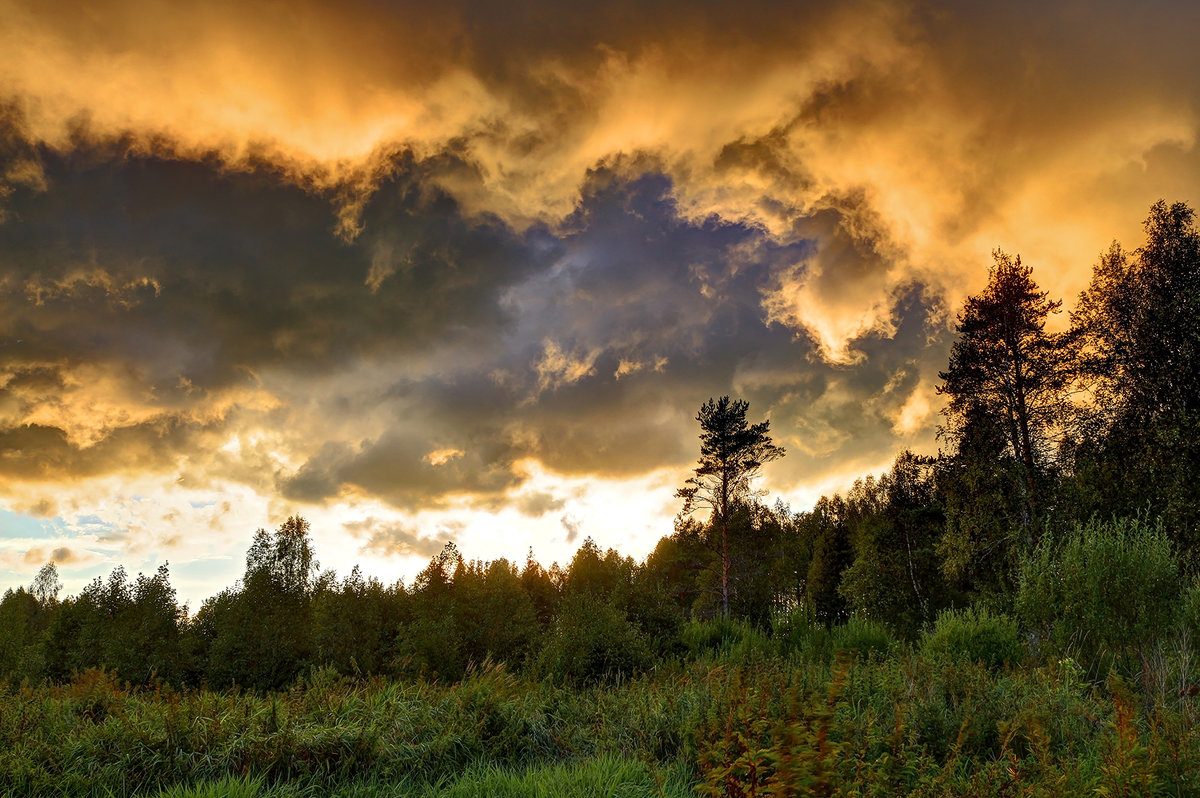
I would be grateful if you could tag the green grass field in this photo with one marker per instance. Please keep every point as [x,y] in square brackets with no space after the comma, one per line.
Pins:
[740,722]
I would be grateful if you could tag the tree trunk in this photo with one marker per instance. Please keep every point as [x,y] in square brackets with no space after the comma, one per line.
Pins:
[725,546]
[724,569]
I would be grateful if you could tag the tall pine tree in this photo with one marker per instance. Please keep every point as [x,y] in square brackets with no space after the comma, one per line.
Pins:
[1006,368]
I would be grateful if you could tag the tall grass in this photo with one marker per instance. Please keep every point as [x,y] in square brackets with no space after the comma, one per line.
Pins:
[922,720]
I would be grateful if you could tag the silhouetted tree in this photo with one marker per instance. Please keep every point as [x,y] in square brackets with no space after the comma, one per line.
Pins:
[731,453]
[46,585]
[1006,367]
[1139,320]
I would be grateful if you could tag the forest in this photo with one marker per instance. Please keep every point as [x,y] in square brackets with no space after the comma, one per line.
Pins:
[1017,614]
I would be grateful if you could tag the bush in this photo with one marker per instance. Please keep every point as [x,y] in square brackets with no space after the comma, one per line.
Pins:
[975,634]
[1189,613]
[593,642]
[1102,592]
[734,641]
[862,636]
[799,632]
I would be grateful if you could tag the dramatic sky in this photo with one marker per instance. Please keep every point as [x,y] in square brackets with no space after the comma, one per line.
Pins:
[467,273]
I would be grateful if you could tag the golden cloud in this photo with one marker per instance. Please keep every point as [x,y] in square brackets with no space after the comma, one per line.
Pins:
[457,192]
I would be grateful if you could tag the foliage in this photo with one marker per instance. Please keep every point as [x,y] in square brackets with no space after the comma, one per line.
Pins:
[975,634]
[900,724]
[832,554]
[592,643]
[46,585]
[983,514]
[732,641]
[1140,325]
[261,635]
[1007,367]
[799,634]
[731,453]
[861,636]
[894,526]
[1101,593]
[1189,612]
[354,624]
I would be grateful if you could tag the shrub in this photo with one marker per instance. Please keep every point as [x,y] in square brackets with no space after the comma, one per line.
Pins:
[593,642]
[734,641]
[1103,591]
[862,636]
[799,632]
[975,634]
[1189,612]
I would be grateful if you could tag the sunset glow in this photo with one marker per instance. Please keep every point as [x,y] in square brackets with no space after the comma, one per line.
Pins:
[467,274]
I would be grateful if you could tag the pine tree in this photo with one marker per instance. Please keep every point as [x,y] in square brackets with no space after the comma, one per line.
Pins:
[1007,368]
[731,453]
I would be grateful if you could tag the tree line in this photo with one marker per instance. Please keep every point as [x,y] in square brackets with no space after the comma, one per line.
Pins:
[1044,432]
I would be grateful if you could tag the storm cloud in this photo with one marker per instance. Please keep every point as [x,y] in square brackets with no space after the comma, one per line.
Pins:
[380,259]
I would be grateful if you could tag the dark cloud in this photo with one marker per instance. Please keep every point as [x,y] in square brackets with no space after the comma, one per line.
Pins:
[391,539]
[438,243]
[586,346]
[536,505]
[571,525]
[40,555]
[37,452]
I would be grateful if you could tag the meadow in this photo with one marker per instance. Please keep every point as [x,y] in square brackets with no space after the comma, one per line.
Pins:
[802,711]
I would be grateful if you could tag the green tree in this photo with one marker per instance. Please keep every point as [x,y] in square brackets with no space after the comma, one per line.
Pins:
[983,514]
[1102,593]
[593,642]
[894,525]
[678,561]
[151,628]
[541,589]
[1006,367]
[355,623]
[825,530]
[46,585]
[263,632]
[284,559]
[1139,321]
[24,617]
[431,643]
[732,451]
[22,622]
[755,546]
[494,616]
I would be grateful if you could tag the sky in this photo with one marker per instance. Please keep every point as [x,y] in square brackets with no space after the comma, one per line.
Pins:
[468,272]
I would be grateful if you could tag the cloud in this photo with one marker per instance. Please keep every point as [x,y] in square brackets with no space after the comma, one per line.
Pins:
[571,525]
[387,252]
[538,504]
[36,556]
[557,368]
[391,539]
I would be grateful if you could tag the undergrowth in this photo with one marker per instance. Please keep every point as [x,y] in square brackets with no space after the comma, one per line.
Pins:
[913,721]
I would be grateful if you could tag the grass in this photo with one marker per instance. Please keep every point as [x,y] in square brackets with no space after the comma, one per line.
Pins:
[905,723]
[600,777]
